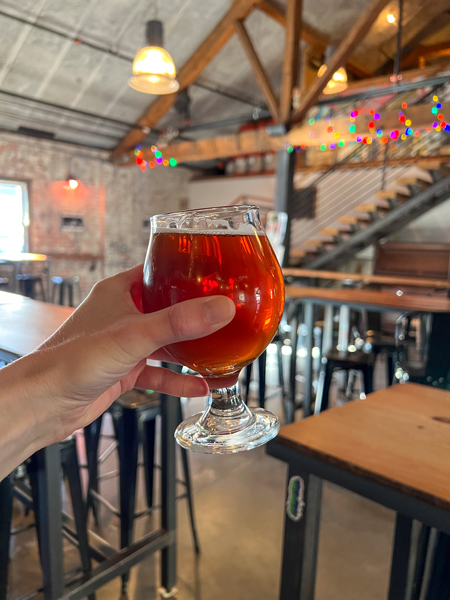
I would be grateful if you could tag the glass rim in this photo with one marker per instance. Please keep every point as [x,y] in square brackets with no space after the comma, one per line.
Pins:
[212,210]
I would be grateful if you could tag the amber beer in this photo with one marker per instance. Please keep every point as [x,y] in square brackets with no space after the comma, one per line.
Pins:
[182,266]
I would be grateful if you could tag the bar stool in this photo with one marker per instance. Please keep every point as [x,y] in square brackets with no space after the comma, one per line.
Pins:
[29,496]
[347,361]
[134,418]
[65,284]
[262,363]
[29,285]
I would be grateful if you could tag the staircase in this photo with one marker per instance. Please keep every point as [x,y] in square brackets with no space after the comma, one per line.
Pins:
[388,211]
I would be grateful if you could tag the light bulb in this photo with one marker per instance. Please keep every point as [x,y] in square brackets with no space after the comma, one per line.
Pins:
[73,184]
[390,18]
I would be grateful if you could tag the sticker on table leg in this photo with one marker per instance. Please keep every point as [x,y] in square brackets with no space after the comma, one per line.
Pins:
[295,503]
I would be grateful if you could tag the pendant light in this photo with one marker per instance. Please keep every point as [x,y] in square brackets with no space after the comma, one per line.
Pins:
[153,68]
[337,83]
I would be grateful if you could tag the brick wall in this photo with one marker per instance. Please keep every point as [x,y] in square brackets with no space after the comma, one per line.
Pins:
[113,202]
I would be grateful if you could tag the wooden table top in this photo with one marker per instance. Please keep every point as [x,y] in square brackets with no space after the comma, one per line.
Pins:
[22,257]
[370,298]
[399,437]
[26,323]
[363,278]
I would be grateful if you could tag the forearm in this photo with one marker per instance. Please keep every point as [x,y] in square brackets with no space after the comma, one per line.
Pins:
[23,428]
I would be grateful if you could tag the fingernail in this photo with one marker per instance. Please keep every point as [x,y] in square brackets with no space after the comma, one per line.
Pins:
[218,310]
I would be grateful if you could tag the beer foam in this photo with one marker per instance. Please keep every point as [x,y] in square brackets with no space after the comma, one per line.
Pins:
[244,229]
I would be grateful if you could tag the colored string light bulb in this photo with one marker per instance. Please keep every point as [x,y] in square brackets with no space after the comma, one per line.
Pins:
[323,147]
[151,164]
[159,160]
[438,105]
[371,125]
[153,149]
[404,105]
[417,133]
[359,138]
[173,162]
[434,110]
[158,154]
[435,99]
[352,128]
[341,143]
[332,146]
[408,122]
[336,135]
[440,117]
[311,121]
[329,129]
[376,117]
[290,149]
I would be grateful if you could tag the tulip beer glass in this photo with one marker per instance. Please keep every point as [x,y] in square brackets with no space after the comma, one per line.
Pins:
[204,253]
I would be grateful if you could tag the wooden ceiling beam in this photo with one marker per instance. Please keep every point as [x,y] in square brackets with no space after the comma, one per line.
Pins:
[343,52]
[432,51]
[252,142]
[216,40]
[259,71]
[291,57]
[311,36]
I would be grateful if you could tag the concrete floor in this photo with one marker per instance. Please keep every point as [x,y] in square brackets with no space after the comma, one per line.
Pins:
[239,502]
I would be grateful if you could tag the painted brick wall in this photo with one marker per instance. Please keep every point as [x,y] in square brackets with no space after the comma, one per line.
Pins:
[113,202]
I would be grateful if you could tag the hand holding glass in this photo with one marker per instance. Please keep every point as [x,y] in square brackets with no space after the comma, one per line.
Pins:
[210,252]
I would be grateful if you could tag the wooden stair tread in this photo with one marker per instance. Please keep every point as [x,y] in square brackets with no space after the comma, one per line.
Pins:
[353,220]
[313,243]
[412,181]
[445,150]
[372,208]
[386,194]
[297,253]
[331,231]
[431,165]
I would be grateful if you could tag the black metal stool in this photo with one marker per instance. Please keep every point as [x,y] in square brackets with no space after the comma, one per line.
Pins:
[358,361]
[134,418]
[29,495]
[262,361]
[65,284]
[29,285]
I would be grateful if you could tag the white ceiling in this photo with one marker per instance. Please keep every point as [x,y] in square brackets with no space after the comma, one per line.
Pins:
[45,66]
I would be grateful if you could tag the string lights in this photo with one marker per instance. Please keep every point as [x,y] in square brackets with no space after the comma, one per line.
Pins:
[159,160]
[405,129]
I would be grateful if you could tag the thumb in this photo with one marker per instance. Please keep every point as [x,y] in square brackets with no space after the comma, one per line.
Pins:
[187,320]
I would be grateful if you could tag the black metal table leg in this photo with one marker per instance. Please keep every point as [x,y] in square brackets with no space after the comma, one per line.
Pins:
[126,426]
[49,520]
[402,566]
[439,587]
[290,403]
[92,439]
[262,361]
[169,412]
[307,393]
[6,502]
[301,534]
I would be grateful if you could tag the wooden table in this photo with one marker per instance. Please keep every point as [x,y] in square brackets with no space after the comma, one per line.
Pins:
[17,259]
[309,297]
[399,282]
[24,325]
[392,447]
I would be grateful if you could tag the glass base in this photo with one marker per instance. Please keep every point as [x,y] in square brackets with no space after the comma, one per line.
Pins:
[210,433]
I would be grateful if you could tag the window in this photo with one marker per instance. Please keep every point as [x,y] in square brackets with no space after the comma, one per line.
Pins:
[14,216]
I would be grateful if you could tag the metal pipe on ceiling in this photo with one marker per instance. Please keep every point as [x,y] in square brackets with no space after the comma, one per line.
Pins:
[75,111]
[126,57]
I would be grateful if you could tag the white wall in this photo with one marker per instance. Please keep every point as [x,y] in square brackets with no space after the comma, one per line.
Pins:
[223,191]
[431,228]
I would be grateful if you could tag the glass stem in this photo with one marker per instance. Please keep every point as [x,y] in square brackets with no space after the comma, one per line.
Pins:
[226,403]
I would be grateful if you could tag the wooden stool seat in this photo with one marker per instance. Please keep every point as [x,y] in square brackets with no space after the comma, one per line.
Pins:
[392,448]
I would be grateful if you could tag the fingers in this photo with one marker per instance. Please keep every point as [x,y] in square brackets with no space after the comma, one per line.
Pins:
[174,384]
[141,336]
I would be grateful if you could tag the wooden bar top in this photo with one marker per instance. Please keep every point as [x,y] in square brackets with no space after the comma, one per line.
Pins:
[22,257]
[383,300]
[399,437]
[26,323]
[363,278]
